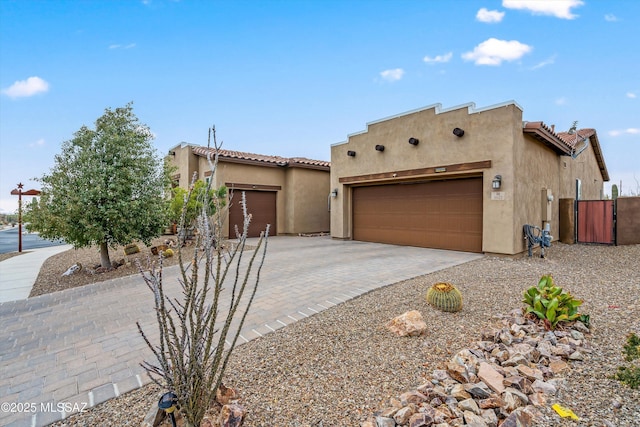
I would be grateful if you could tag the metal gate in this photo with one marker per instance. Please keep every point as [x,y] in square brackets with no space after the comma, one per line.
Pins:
[596,221]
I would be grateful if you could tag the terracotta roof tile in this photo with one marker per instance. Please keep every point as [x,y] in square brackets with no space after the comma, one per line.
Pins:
[261,158]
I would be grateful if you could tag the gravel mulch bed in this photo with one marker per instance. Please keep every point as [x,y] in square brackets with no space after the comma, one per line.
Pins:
[50,278]
[338,367]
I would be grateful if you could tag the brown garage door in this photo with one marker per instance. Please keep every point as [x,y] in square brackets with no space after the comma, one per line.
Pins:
[435,214]
[262,207]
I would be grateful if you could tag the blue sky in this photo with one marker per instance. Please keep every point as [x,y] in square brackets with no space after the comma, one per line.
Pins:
[290,78]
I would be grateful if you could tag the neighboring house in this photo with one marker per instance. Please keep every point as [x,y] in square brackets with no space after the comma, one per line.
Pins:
[461,178]
[290,194]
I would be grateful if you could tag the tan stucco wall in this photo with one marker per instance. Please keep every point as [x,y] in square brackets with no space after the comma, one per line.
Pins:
[488,136]
[301,200]
[526,165]
[307,197]
[536,167]
[186,164]
[583,167]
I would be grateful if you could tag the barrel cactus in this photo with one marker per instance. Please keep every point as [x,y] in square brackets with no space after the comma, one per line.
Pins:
[445,297]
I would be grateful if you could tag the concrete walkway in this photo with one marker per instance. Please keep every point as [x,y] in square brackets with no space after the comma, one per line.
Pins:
[19,273]
[80,347]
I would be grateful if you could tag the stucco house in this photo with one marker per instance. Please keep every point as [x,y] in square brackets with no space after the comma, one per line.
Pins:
[462,178]
[290,194]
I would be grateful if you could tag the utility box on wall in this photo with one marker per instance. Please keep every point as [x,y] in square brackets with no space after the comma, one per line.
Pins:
[567,220]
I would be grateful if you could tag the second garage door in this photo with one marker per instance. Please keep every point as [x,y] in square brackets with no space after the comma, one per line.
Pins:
[434,214]
[262,207]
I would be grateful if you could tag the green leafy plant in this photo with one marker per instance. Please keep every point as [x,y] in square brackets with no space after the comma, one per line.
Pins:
[551,303]
[632,347]
[629,376]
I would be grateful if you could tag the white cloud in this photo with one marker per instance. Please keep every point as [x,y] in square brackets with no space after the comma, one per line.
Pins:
[629,131]
[24,88]
[489,16]
[561,101]
[494,51]
[544,63]
[392,75]
[438,58]
[558,8]
[610,17]
[122,46]
[631,95]
[38,143]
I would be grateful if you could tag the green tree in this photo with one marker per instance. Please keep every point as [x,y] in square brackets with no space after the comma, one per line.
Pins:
[195,199]
[106,188]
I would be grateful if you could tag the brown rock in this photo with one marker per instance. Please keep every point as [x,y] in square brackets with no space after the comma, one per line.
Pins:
[474,420]
[558,366]
[420,420]
[231,415]
[515,381]
[491,402]
[492,378]
[410,324]
[403,415]
[518,418]
[225,395]
[412,397]
[458,372]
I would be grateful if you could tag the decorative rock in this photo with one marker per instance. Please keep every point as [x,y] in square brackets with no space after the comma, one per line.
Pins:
[516,359]
[524,399]
[458,391]
[225,395]
[403,415]
[412,397]
[491,402]
[389,412]
[469,405]
[577,335]
[474,420]
[492,378]
[440,375]
[420,420]
[558,366]
[576,355]
[490,418]
[385,422]
[518,418]
[458,372]
[231,415]
[515,381]
[410,324]
[73,269]
[478,390]
[580,327]
[537,399]
[544,387]
[529,373]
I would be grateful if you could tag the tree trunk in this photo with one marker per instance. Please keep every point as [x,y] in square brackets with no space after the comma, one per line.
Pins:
[104,255]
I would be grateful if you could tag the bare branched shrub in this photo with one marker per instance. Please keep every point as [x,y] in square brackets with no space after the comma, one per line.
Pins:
[200,328]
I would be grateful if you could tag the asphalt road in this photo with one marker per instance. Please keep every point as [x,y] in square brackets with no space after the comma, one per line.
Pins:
[9,241]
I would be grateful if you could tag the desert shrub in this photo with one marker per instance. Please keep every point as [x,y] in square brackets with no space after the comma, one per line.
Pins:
[217,291]
[551,303]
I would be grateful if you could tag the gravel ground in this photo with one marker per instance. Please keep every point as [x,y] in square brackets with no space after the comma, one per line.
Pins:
[338,367]
[50,277]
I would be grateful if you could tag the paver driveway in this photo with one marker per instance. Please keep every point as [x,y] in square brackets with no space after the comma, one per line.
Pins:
[80,347]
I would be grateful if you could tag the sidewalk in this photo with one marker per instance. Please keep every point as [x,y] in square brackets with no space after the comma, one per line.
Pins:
[80,347]
[19,273]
